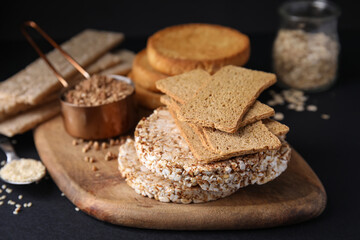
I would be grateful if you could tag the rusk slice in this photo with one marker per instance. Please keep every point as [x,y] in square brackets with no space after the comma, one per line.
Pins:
[36,81]
[184,86]
[144,74]
[146,183]
[146,98]
[162,150]
[178,49]
[223,102]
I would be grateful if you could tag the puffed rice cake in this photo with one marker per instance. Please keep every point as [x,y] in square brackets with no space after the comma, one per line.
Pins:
[163,151]
[146,183]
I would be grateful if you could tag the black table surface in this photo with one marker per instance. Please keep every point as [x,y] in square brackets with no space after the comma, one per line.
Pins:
[329,146]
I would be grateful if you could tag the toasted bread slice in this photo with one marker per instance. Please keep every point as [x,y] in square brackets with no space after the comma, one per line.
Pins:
[144,74]
[278,129]
[178,49]
[223,103]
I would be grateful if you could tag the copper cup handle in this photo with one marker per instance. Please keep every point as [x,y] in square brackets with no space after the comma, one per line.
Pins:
[34,25]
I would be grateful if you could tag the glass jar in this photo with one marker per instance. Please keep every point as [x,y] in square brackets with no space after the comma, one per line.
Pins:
[306,49]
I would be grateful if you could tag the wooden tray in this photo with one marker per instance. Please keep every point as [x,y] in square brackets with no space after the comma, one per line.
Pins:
[295,196]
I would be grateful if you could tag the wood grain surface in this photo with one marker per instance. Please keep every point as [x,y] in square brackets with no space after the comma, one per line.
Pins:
[297,195]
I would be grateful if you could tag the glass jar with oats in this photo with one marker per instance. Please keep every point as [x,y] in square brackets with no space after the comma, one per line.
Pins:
[306,49]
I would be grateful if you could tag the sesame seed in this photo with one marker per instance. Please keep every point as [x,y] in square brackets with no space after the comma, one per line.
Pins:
[11,202]
[2,197]
[74,142]
[29,204]
[8,190]
[94,168]
[20,197]
[18,205]
[62,194]
[25,205]
[77,209]
[3,186]
[1,203]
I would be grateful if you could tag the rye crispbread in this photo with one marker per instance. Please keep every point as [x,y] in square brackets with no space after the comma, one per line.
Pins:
[144,74]
[109,63]
[36,81]
[29,119]
[146,183]
[184,86]
[162,149]
[178,49]
[223,102]
[278,129]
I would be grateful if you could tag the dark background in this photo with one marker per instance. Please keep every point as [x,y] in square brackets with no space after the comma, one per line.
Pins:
[330,147]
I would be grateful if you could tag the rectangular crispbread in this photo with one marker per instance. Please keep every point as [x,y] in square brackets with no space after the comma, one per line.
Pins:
[250,139]
[109,63]
[202,154]
[278,129]
[184,86]
[225,100]
[36,81]
[253,137]
[29,119]
[256,112]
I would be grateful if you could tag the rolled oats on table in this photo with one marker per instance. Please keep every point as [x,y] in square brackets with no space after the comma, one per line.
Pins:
[163,151]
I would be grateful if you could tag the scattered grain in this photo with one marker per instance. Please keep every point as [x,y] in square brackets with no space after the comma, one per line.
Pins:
[279,116]
[1,203]
[104,145]
[96,145]
[110,156]
[2,197]
[325,116]
[62,194]
[29,204]
[20,197]
[3,186]
[77,209]
[11,202]
[311,108]
[8,190]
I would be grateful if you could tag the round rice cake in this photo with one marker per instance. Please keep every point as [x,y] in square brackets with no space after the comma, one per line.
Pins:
[146,183]
[181,48]
[161,148]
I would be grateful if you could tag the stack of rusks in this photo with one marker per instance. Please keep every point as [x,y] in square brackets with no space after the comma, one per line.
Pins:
[213,137]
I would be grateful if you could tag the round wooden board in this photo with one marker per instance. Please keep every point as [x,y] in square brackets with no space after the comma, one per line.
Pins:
[295,196]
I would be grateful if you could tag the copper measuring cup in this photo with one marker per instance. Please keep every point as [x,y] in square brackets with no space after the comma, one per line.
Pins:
[89,122]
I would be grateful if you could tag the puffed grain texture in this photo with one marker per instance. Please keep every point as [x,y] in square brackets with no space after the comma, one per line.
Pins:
[161,149]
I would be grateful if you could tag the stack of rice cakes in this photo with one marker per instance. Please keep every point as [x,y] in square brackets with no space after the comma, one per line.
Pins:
[183,154]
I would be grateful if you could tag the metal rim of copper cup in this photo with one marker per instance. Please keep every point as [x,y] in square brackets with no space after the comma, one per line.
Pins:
[101,121]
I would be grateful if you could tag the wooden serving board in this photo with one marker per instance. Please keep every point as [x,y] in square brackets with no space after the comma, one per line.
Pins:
[297,195]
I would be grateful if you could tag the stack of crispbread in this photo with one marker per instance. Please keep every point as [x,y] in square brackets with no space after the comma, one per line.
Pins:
[213,138]
[31,96]
[182,48]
